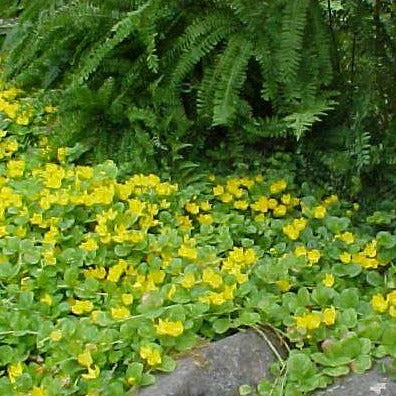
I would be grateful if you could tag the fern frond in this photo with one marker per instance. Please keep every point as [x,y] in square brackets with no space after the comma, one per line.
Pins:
[233,65]
[197,50]
[361,150]
[251,13]
[291,39]
[198,29]
[121,31]
[270,127]
[302,120]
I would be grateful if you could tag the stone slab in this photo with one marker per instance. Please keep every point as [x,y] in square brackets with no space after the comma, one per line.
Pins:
[218,368]
[372,383]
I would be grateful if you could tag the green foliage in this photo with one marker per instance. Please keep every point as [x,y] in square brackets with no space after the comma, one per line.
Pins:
[235,79]
[10,8]
[356,144]
[107,275]
[189,67]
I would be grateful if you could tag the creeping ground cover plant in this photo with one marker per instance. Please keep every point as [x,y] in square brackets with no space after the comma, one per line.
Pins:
[104,280]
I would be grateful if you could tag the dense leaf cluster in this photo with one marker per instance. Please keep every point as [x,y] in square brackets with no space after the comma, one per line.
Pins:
[138,76]
[103,281]
[138,79]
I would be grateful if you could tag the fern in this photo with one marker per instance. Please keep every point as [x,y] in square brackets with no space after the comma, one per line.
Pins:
[198,48]
[182,70]
[120,32]
[301,121]
[233,66]
[291,40]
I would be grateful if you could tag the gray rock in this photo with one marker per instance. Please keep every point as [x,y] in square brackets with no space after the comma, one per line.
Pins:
[218,368]
[371,383]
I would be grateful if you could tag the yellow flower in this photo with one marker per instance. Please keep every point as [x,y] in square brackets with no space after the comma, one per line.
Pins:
[212,278]
[370,250]
[365,262]
[38,391]
[85,359]
[82,306]
[280,211]
[320,212]
[49,256]
[184,222]
[250,256]
[11,146]
[313,256]
[283,285]
[346,237]
[328,280]
[152,355]
[331,199]
[329,315]
[379,303]
[261,205]
[46,299]
[188,280]
[56,335]
[156,276]
[95,273]
[300,224]
[14,371]
[309,321]
[228,292]
[232,187]
[53,176]
[205,206]
[89,245]
[205,219]
[136,207]
[217,298]
[241,278]
[127,298]
[120,313]
[116,271]
[278,186]
[84,172]
[345,257]
[218,190]
[188,252]
[15,168]
[226,197]
[291,232]
[286,199]
[167,327]
[392,311]
[272,203]
[3,231]
[192,207]
[294,201]
[241,204]
[24,117]
[300,250]
[92,373]
[391,298]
